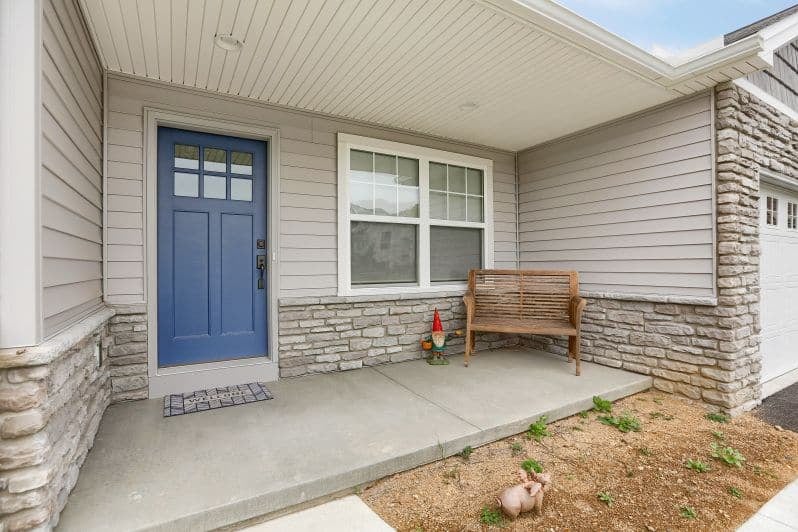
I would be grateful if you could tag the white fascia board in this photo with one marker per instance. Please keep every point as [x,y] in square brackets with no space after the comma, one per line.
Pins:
[777,35]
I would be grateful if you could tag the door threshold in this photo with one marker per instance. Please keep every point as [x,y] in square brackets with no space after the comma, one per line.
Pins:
[182,379]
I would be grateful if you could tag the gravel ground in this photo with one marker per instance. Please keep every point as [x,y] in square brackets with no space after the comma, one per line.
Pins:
[643,473]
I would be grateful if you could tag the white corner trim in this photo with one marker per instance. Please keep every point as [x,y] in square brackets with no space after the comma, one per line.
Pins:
[424,155]
[766,97]
[197,376]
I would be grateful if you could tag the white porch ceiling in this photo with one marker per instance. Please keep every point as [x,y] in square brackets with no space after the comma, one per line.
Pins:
[411,64]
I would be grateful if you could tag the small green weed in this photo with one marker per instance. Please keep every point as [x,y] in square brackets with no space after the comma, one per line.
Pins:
[728,455]
[688,512]
[465,454]
[696,465]
[577,429]
[490,516]
[735,492]
[605,497]
[657,400]
[625,423]
[645,451]
[531,465]
[537,430]
[718,417]
[516,447]
[584,414]
[719,435]
[602,405]
[452,474]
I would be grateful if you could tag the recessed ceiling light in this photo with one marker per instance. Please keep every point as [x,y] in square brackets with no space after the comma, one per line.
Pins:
[228,42]
[468,106]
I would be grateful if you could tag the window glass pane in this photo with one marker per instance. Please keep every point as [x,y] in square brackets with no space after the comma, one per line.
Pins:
[361,163]
[408,202]
[186,156]
[474,209]
[474,181]
[437,176]
[408,172]
[215,160]
[457,207]
[186,184]
[241,162]
[453,252]
[384,200]
[240,189]
[437,205]
[385,169]
[361,200]
[383,253]
[214,187]
[457,181]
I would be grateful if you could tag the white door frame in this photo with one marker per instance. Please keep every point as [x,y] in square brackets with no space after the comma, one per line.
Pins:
[175,379]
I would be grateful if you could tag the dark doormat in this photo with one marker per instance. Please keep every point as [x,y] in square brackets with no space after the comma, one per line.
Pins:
[781,408]
[187,403]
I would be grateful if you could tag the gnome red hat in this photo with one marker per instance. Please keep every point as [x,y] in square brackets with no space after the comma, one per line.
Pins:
[438,336]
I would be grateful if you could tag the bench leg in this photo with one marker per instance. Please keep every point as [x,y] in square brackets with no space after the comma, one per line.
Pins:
[577,355]
[571,348]
[469,346]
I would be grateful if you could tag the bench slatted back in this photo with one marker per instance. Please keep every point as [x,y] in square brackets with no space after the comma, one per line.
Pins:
[523,294]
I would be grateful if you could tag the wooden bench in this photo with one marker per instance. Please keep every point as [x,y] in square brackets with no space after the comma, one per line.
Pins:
[544,302]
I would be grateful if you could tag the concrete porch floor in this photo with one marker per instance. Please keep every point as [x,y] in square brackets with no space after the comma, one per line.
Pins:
[320,435]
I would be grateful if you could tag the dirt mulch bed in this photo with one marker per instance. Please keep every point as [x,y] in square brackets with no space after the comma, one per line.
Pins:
[643,472]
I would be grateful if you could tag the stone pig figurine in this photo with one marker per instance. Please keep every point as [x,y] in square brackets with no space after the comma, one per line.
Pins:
[525,496]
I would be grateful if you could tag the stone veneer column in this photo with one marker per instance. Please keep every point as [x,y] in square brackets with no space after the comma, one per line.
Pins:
[128,355]
[52,397]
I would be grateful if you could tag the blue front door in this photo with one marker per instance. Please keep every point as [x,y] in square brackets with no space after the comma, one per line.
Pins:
[211,240]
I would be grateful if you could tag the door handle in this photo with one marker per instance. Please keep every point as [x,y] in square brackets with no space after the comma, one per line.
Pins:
[260,264]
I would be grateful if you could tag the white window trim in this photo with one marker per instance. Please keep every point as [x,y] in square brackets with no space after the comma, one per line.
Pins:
[424,155]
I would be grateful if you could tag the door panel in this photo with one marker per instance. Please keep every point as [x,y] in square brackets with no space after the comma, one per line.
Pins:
[211,213]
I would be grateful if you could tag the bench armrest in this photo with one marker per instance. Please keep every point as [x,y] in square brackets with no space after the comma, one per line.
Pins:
[469,301]
[577,306]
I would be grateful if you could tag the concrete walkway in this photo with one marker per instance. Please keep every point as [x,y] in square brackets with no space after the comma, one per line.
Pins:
[781,408]
[779,514]
[349,514]
[321,435]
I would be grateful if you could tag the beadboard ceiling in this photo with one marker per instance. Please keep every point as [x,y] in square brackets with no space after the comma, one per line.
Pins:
[418,65]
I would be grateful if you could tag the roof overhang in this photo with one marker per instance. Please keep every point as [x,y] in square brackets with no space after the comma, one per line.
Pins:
[502,73]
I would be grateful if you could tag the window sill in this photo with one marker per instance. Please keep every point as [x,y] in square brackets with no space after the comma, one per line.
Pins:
[365,295]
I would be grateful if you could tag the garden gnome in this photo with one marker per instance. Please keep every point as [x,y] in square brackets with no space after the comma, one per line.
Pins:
[438,336]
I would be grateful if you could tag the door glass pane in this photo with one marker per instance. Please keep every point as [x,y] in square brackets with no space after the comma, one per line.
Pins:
[215,160]
[361,165]
[474,209]
[361,198]
[186,184]
[383,253]
[240,189]
[457,179]
[408,172]
[457,207]
[384,200]
[241,162]
[453,252]
[384,169]
[437,205]
[186,156]
[474,181]
[408,202]
[437,176]
[214,187]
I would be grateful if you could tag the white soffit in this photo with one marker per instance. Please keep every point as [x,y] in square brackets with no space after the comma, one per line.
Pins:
[535,70]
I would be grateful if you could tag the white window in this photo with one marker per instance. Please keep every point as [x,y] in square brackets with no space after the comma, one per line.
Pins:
[772,211]
[792,215]
[411,219]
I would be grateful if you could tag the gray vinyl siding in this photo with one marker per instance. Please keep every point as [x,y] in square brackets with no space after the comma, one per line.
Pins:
[308,174]
[628,205]
[71,173]
[780,81]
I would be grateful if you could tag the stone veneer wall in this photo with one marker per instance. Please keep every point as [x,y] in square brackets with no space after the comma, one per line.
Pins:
[705,351]
[321,334]
[52,398]
[128,354]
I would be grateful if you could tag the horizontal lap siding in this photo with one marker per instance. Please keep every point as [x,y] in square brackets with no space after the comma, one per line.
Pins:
[781,80]
[71,177]
[308,186]
[628,205]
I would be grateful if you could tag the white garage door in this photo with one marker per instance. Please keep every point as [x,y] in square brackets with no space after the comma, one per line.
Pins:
[779,287]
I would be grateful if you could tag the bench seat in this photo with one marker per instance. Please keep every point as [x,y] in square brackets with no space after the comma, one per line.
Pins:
[524,326]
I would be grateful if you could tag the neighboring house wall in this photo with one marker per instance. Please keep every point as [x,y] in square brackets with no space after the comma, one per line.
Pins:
[628,205]
[780,81]
[72,155]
